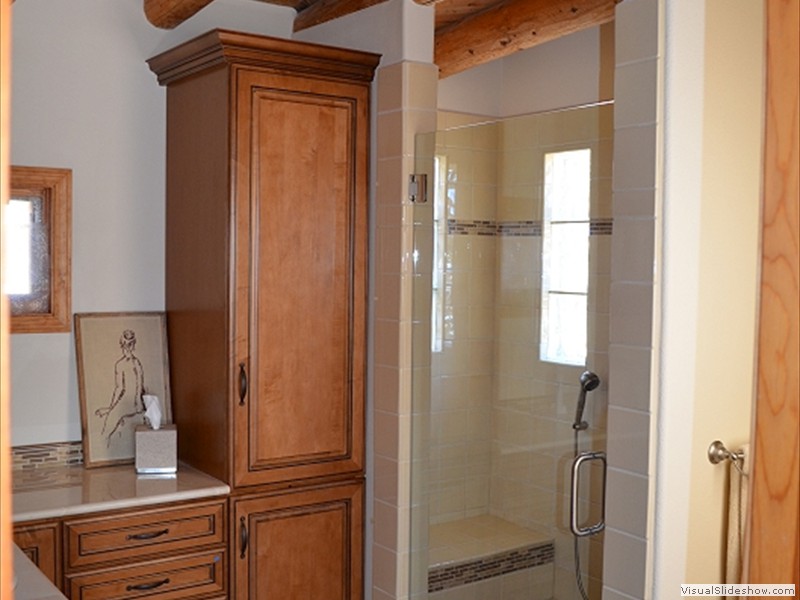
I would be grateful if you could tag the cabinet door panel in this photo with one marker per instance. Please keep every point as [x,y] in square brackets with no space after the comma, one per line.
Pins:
[306,280]
[42,544]
[302,315]
[301,545]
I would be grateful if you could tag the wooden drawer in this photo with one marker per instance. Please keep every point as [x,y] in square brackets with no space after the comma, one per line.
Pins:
[94,540]
[199,575]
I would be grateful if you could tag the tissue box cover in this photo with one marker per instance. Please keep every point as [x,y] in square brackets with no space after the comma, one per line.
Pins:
[156,449]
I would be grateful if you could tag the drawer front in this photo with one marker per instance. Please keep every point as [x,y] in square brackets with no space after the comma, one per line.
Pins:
[190,576]
[128,537]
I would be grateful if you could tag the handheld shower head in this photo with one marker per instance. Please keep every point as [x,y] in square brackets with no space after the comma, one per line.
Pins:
[589,381]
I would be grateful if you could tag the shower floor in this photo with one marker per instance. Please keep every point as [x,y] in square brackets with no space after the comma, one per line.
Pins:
[490,554]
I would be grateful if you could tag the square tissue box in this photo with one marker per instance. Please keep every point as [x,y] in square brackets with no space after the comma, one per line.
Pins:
[156,449]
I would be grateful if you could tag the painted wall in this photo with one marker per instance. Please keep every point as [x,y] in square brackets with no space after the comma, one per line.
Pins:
[84,98]
[711,243]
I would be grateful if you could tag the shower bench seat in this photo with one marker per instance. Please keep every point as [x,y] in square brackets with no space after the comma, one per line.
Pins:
[490,553]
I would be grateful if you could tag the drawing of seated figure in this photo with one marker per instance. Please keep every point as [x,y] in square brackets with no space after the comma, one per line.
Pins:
[126,399]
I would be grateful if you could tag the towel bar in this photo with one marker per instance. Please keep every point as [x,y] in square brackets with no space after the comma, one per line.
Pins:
[717,452]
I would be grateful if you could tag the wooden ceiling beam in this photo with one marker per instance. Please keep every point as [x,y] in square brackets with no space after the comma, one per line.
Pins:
[327,10]
[511,26]
[168,14]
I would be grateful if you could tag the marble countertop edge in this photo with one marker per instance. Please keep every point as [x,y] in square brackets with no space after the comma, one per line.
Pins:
[78,491]
[24,516]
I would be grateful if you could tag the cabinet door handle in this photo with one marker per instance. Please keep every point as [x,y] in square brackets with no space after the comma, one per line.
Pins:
[242,384]
[147,536]
[143,587]
[244,536]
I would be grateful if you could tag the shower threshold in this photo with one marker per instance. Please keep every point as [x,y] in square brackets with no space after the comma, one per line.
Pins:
[485,551]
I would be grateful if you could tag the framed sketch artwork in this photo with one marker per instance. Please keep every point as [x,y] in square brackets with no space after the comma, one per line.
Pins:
[121,357]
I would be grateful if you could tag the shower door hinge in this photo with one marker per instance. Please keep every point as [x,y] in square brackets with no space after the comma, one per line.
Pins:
[418,188]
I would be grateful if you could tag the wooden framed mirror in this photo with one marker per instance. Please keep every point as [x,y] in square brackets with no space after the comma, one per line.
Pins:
[38,224]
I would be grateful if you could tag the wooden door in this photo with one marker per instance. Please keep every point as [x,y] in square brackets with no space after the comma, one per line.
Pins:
[301,277]
[306,544]
[774,540]
[6,553]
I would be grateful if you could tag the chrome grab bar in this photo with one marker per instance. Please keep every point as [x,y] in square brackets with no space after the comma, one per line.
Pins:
[575,495]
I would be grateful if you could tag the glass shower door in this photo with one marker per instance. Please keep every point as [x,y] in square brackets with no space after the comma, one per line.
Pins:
[510,304]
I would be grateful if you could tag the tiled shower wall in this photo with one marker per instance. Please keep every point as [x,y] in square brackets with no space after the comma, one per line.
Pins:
[462,371]
[406,105]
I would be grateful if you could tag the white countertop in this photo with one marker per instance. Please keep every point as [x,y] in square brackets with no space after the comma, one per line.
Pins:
[49,493]
[29,582]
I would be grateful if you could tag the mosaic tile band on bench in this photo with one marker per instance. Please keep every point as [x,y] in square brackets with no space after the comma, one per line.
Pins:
[516,228]
[486,567]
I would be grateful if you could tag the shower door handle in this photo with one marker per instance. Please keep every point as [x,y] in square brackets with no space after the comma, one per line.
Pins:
[575,495]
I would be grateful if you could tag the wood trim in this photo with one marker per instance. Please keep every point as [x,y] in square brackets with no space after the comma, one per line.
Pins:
[55,185]
[168,14]
[221,47]
[514,25]
[6,554]
[774,542]
[327,10]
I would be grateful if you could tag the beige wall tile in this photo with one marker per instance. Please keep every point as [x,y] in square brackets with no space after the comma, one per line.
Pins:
[626,502]
[390,88]
[386,428]
[384,570]
[390,135]
[628,441]
[421,85]
[638,234]
[636,27]
[637,90]
[631,313]
[635,157]
[626,571]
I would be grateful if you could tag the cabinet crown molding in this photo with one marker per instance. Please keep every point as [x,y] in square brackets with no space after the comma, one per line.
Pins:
[220,47]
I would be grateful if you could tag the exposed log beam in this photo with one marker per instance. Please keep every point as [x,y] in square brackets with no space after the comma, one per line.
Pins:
[327,10]
[168,14]
[449,12]
[511,26]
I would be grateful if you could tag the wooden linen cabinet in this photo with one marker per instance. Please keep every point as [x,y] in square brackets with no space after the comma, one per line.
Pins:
[266,262]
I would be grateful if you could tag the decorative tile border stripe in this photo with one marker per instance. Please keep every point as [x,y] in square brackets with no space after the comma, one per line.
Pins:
[517,228]
[494,565]
[46,455]
[601,227]
[465,227]
[520,228]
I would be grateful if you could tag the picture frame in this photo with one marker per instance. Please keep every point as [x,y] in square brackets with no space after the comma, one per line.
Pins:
[120,357]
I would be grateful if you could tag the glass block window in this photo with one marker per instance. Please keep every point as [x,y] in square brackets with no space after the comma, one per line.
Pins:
[565,256]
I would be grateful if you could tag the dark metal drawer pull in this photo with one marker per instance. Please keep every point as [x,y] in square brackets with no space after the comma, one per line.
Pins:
[242,384]
[143,587]
[147,536]
[244,537]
